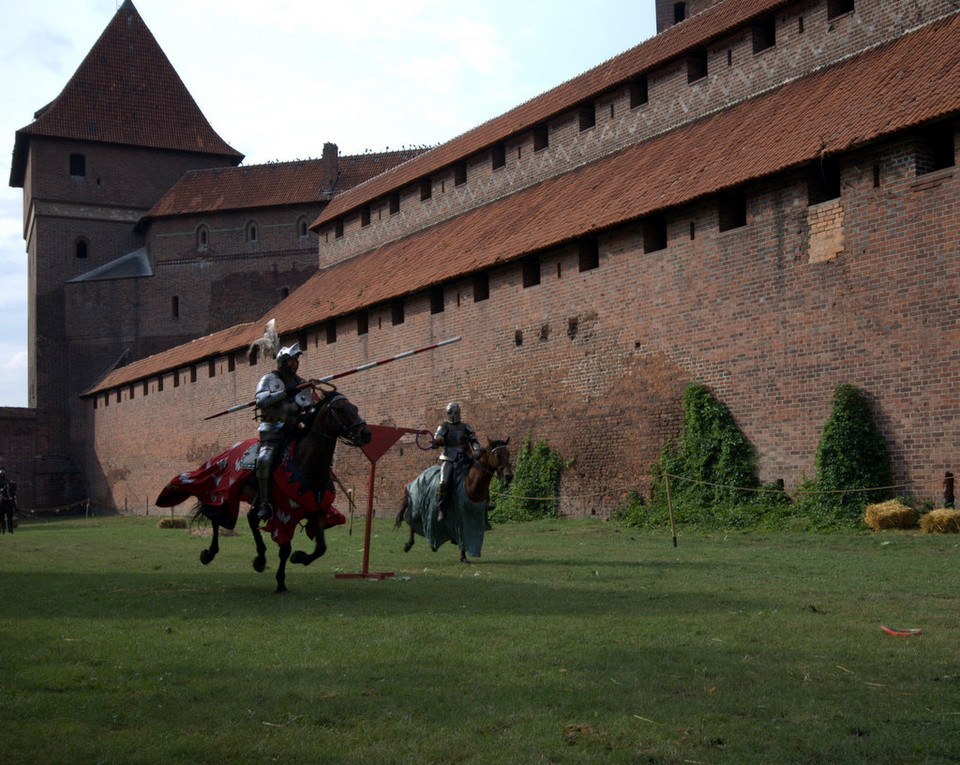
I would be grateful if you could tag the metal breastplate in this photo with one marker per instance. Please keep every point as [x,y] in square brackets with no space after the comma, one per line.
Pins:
[455,437]
[276,409]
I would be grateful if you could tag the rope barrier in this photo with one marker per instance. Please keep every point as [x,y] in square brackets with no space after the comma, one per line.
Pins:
[57,508]
[758,489]
[783,491]
[83,503]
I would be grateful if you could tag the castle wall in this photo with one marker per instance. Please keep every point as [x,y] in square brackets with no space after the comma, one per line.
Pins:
[766,314]
[18,450]
[772,312]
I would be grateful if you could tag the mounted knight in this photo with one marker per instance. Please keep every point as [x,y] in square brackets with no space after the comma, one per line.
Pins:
[280,400]
[458,447]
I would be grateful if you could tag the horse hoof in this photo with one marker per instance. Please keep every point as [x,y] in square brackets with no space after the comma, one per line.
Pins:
[259,564]
[205,557]
[299,557]
[281,589]
[407,546]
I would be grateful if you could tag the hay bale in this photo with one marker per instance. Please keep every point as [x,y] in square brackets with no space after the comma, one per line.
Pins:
[172,523]
[946,520]
[891,514]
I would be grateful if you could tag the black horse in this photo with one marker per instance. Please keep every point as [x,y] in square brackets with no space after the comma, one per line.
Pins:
[8,506]
[302,489]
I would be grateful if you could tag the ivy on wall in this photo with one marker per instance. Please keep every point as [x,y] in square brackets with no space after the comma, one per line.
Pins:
[535,490]
[851,458]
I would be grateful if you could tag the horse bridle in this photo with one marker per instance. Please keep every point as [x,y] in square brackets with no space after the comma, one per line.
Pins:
[345,429]
[499,468]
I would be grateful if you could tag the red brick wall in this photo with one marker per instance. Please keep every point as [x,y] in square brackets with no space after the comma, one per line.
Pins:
[772,315]
[605,354]
[124,176]
[119,185]
[18,450]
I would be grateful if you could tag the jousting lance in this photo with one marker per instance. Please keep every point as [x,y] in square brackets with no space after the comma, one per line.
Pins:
[338,375]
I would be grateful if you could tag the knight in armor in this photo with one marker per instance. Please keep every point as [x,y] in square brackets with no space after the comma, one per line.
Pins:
[279,403]
[457,443]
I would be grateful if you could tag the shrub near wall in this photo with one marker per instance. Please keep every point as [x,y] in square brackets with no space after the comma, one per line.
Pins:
[852,458]
[535,491]
[711,472]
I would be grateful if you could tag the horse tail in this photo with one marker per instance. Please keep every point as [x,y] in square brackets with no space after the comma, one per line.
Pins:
[197,516]
[403,508]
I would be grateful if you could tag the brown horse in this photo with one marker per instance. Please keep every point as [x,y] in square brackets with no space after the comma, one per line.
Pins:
[8,506]
[465,521]
[302,489]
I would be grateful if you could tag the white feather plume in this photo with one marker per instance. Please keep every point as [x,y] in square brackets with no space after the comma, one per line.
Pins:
[268,345]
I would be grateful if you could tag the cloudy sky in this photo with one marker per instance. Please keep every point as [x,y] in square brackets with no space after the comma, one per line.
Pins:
[277,79]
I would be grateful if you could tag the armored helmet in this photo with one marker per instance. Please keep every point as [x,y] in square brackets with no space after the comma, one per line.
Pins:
[453,412]
[288,352]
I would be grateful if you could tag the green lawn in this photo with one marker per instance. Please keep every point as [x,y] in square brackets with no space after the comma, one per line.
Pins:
[570,641]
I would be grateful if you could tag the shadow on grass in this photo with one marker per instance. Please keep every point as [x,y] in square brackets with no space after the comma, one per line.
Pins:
[159,595]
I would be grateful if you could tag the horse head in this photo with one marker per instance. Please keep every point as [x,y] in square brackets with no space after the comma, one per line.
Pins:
[336,417]
[498,460]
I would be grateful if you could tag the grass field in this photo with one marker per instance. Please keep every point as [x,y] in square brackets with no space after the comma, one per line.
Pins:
[571,641]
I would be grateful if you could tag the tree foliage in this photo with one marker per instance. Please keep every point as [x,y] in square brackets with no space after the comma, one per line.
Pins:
[713,479]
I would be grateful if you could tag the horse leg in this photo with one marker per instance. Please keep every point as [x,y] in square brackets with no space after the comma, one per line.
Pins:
[402,515]
[463,556]
[282,568]
[259,562]
[211,552]
[316,526]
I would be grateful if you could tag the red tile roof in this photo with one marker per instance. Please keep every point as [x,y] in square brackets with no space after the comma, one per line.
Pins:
[126,91]
[208,346]
[281,183]
[705,27]
[879,93]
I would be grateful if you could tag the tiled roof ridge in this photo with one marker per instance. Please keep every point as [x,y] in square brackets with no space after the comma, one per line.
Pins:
[281,163]
[196,183]
[216,343]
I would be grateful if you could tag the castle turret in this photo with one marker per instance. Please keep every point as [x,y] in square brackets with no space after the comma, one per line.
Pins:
[91,164]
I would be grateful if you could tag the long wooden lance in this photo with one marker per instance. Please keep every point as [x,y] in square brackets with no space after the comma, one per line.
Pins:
[338,375]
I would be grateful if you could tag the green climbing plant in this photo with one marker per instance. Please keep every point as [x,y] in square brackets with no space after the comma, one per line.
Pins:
[714,481]
[851,458]
[534,492]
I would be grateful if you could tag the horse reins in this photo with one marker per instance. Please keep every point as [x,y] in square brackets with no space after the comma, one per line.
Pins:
[497,469]
[335,415]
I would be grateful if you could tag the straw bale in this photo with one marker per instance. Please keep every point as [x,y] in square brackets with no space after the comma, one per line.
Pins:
[946,520]
[172,523]
[891,514]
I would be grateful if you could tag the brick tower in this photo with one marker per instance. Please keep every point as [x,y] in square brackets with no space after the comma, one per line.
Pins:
[91,164]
